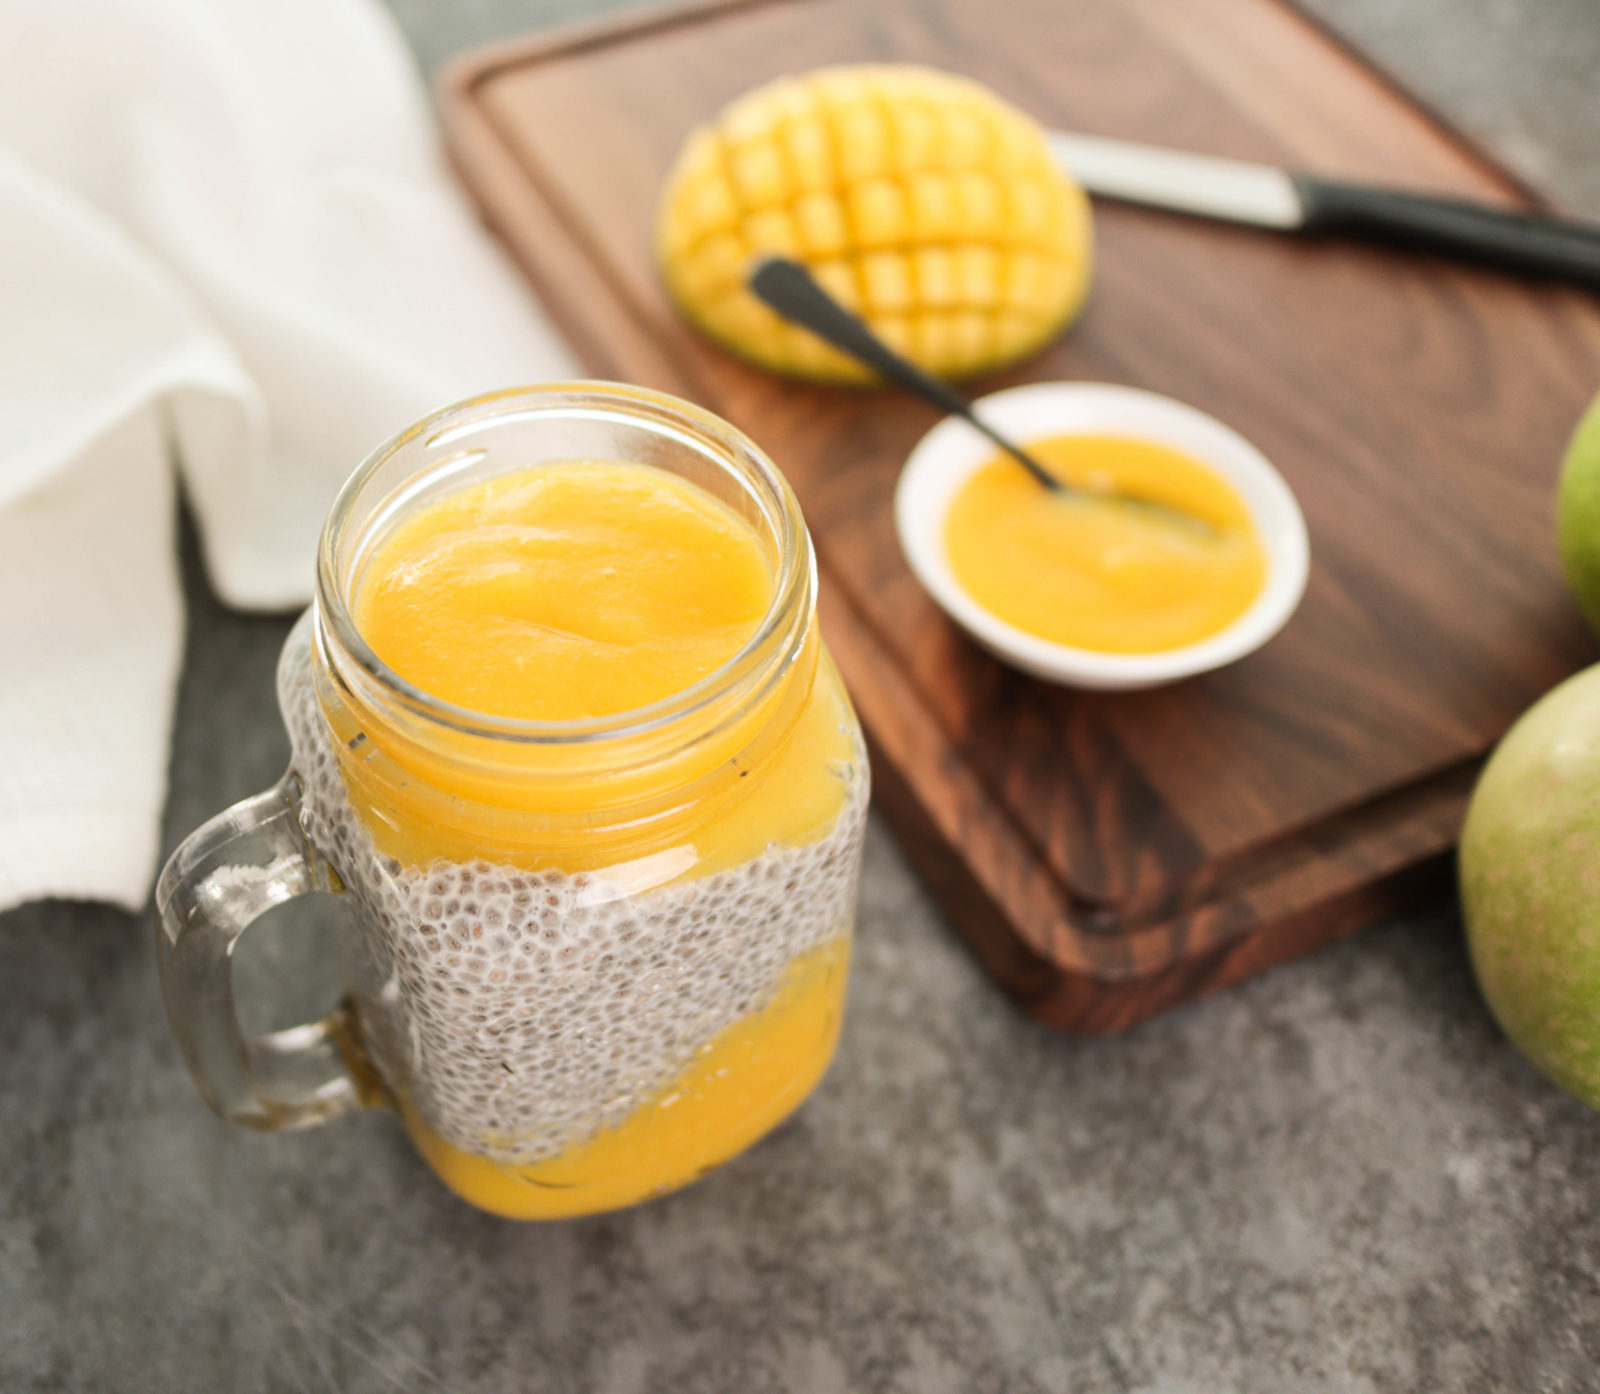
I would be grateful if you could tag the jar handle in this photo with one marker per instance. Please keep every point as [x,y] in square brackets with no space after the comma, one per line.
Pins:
[222,877]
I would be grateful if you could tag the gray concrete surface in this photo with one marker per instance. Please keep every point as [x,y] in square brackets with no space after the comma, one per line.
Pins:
[1335,1178]
[1517,74]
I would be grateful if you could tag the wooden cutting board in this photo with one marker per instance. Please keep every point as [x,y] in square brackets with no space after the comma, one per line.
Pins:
[1108,856]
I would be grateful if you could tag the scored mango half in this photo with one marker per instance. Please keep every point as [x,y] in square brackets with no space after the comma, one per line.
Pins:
[919,199]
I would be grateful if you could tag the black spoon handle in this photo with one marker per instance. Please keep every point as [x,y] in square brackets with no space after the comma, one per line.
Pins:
[790,290]
[1531,243]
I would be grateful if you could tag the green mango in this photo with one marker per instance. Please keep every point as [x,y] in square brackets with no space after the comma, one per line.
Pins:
[1578,514]
[1530,884]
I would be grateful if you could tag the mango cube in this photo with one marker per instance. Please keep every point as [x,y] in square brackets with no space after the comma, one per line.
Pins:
[920,199]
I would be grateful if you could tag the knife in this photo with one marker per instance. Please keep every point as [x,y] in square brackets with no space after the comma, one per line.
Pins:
[1265,196]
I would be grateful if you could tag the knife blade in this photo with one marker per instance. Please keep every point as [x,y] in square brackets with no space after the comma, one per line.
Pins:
[1265,196]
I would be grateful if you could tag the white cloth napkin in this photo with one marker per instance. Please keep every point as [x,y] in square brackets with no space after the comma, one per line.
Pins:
[228,247]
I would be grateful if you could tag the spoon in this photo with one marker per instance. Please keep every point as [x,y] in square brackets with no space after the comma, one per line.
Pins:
[788,288]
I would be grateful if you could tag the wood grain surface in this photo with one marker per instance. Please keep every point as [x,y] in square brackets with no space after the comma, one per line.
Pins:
[1111,855]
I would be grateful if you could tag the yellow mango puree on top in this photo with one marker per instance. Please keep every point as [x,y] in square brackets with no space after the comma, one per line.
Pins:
[572,590]
[584,589]
[1093,573]
[565,591]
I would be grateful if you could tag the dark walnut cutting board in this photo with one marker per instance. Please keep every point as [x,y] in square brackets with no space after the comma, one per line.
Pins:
[1108,856]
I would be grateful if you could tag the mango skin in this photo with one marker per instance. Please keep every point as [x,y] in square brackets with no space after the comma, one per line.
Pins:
[917,197]
[1530,884]
[1578,514]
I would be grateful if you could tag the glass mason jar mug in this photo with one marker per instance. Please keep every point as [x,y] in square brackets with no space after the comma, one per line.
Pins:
[590,959]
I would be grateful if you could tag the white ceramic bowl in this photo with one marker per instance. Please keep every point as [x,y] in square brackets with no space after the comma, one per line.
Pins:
[953,450]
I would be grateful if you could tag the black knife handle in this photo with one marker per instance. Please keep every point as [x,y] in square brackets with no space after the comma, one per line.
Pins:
[1532,243]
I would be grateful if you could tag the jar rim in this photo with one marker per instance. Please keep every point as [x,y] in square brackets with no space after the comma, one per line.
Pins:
[794,587]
